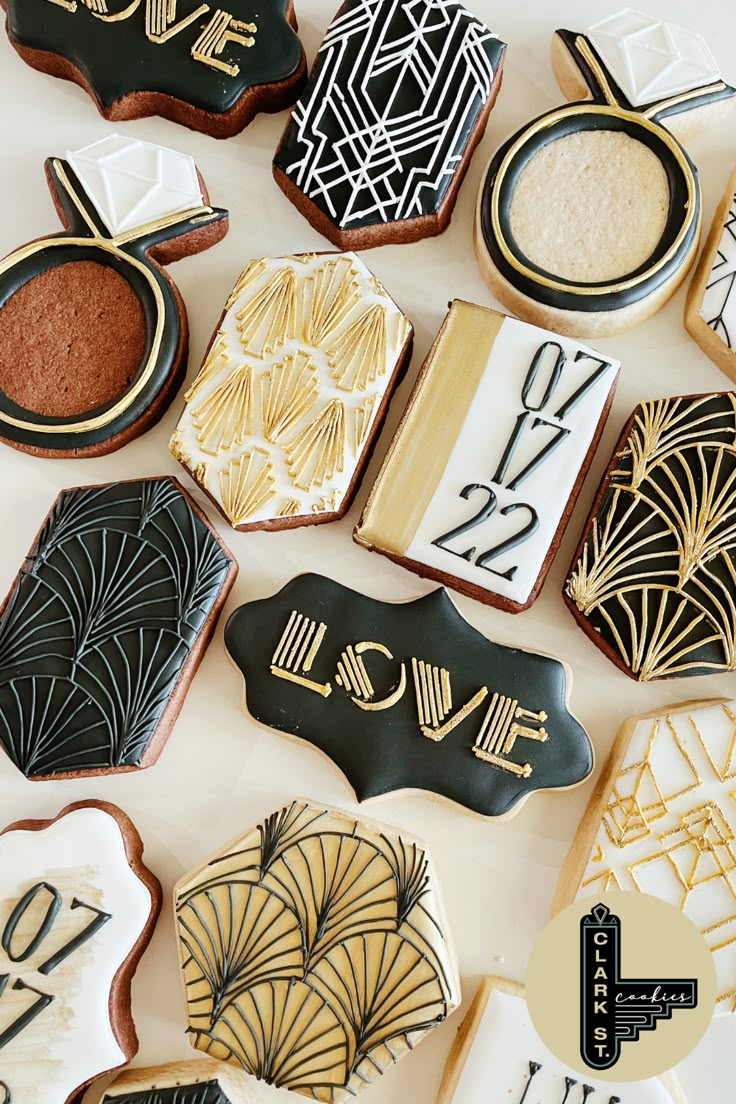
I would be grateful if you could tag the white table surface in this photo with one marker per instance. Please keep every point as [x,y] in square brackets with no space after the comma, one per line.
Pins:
[220,773]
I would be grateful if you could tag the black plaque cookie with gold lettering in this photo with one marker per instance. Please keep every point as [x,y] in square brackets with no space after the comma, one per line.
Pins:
[408,695]
[206,65]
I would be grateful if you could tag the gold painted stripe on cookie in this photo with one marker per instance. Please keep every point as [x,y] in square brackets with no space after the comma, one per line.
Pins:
[420,451]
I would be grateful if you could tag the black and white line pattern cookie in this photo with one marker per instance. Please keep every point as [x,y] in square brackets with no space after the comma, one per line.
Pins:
[710,311]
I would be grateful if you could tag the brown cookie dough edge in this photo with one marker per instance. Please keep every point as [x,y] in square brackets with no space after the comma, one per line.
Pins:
[405,230]
[121,1017]
[138,105]
[181,686]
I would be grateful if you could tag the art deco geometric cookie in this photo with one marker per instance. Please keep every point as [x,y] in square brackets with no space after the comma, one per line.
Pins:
[488,460]
[314,951]
[498,1058]
[710,312]
[588,218]
[93,333]
[408,695]
[77,909]
[662,820]
[653,580]
[203,1081]
[207,66]
[282,418]
[105,626]
[398,99]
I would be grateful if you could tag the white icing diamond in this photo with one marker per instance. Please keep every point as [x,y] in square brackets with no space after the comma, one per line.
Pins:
[132,183]
[651,59]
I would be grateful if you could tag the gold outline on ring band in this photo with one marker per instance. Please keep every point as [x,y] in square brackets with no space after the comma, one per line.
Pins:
[593,109]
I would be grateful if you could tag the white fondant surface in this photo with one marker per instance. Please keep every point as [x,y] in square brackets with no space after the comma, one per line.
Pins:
[718,308]
[132,183]
[479,448]
[71,1040]
[497,1067]
[652,59]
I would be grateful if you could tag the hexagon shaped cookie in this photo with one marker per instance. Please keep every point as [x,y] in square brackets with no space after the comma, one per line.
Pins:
[283,416]
[203,1081]
[314,951]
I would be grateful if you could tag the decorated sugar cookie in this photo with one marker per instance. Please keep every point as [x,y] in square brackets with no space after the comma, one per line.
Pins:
[283,417]
[398,99]
[498,1056]
[105,626]
[204,1081]
[653,580]
[195,62]
[314,951]
[710,312]
[489,458]
[77,910]
[662,821]
[588,218]
[408,696]
[93,333]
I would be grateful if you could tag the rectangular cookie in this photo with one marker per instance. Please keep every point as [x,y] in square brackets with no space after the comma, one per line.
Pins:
[710,310]
[490,455]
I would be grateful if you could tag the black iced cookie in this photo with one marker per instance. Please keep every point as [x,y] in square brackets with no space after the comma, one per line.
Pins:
[408,695]
[105,627]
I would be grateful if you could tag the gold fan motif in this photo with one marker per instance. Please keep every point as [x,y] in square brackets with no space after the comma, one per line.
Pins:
[246,485]
[269,317]
[216,361]
[317,452]
[224,418]
[358,355]
[288,392]
[330,294]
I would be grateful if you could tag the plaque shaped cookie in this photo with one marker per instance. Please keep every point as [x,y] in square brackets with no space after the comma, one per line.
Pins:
[710,312]
[200,1082]
[211,68]
[498,1056]
[653,580]
[398,99]
[408,696]
[488,460]
[662,821]
[93,333]
[588,218]
[77,910]
[314,951]
[283,417]
[105,626]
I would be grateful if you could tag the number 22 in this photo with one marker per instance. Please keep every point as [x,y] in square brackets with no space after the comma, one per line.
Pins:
[483,514]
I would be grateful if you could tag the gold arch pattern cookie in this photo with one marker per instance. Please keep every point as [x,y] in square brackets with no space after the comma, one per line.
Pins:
[710,311]
[93,332]
[653,580]
[498,1056]
[662,820]
[314,951]
[284,414]
[589,217]
[77,910]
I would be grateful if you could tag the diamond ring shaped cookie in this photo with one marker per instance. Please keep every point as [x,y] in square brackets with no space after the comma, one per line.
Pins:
[662,821]
[498,1056]
[77,910]
[93,332]
[208,66]
[314,951]
[408,696]
[653,580]
[398,99]
[588,218]
[710,312]
[283,417]
[489,457]
[105,626]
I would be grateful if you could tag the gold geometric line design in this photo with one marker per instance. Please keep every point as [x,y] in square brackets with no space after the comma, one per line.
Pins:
[296,652]
[98,6]
[433,693]
[269,318]
[289,390]
[329,503]
[605,880]
[216,360]
[224,418]
[500,730]
[200,472]
[250,274]
[318,450]
[220,30]
[246,485]
[363,417]
[330,294]
[352,674]
[726,772]
[161,22]
[359,354]
[290,507]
